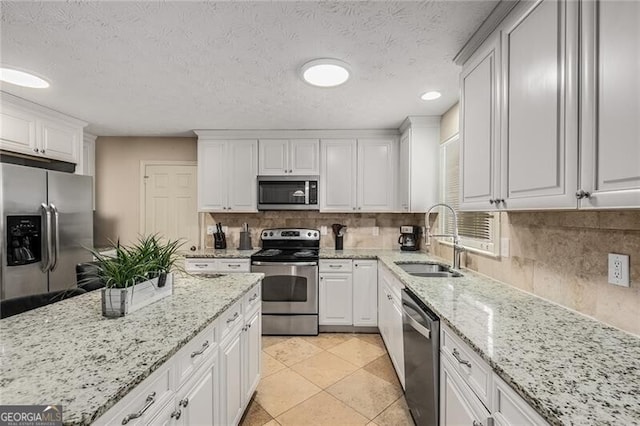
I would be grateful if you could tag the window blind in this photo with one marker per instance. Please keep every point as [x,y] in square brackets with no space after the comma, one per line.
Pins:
[473,227]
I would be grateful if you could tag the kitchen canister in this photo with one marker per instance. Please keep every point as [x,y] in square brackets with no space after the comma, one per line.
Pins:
[245,241]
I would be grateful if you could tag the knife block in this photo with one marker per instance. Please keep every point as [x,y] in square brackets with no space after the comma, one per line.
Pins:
[219,241]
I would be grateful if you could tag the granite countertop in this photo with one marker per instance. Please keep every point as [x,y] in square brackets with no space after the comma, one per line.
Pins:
[67,353]
[226,253]
[570,368]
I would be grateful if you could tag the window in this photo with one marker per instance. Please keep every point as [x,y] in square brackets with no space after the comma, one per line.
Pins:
[479,231]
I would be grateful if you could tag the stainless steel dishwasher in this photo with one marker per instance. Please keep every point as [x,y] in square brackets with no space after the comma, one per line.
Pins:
[421,337]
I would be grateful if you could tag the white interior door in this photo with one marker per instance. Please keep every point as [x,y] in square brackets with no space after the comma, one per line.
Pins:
[170,202]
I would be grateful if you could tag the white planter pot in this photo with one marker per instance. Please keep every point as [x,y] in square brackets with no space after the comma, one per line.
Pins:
[117,302]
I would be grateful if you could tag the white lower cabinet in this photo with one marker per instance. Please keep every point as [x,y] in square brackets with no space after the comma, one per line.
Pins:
[390,318]
[348,293]
[205,383]
[472,394]
[209,265]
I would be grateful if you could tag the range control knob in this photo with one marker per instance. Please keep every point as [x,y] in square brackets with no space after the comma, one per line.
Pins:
[308,234]
[264,235]
[315,234]
[271,234]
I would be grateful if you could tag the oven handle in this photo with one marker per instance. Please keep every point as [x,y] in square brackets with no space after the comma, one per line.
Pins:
[284,263]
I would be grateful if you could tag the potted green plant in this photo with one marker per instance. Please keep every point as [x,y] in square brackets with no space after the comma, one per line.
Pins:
[137,275]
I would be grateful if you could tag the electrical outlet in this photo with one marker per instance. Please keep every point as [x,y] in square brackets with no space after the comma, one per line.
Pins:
[211,230]
[619,269]
[225,229]
[375,231]
[323,230]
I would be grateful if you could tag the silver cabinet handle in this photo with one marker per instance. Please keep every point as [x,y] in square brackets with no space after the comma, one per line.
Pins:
[177,413]
[205,345]
[254,297]
[476,423]
[582,194]
[228,208]
[42,151]
[234,265]
[389,296]
[200,265]
[151,398]
[35,149]
[290,171]
[235,317]
[335,266]
[456,355]
[56,236]
[183,402]
[491,201]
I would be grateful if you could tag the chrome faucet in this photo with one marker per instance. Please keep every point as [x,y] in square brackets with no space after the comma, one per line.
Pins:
[457,248]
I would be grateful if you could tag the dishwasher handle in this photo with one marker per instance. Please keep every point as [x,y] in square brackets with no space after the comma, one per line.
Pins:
[424,331]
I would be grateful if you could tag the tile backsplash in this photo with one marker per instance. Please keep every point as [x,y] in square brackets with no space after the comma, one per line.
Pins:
[562,257]
[360,226]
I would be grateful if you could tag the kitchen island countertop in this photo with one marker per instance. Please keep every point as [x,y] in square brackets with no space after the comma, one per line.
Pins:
[67,353]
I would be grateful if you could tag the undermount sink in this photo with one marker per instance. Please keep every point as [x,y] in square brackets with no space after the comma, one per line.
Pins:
[428,270]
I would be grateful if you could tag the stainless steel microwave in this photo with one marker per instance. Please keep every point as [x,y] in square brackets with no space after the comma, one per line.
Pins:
[288,193]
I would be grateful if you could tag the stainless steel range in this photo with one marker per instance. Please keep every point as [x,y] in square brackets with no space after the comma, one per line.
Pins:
[289,260]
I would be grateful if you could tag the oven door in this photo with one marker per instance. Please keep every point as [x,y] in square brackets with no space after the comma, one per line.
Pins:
[288,287]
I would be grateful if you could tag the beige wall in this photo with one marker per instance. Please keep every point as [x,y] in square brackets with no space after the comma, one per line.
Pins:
[359,226]
[449,123]
[562,257]
[118,159]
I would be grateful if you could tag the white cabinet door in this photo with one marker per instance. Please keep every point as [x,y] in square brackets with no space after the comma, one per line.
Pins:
[396,351]
[212,181]
[166,416]
[232,395]
[404,171]
[480,154]
[335,299]
[274,155]
[304,157]
[18,131]
[251,354]
[338,175]
[197,400]
[243,170]
[365,293]
[376,175]
[458,405]
[60,141]
[610,163]
[539,116]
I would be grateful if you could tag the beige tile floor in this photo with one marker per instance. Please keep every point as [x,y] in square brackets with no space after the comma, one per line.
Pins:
[331,379]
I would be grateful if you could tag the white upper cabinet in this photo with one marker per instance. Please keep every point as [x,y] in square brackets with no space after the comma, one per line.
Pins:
[418,175]
[338,175]
[358,175]
[227,171]
[31,129]
[610,105]
[480,131]
[539,113]
[289,157]
[376,175]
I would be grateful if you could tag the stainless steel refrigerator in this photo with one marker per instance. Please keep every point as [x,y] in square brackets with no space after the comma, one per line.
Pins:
[46,224]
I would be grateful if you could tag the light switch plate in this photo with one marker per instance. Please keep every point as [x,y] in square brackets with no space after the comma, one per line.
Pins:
[619,269]
[323,230]
[211,230]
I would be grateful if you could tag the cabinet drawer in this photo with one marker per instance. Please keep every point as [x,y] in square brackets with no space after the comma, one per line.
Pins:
[195,353]
[146,399]
[204,265]
[510,409]
[233,265]
[252,300]
[339,265]
[231,318]
[474,370]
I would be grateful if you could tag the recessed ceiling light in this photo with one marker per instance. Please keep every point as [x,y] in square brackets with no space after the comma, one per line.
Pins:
[325,72]
[21,78]
[429,96]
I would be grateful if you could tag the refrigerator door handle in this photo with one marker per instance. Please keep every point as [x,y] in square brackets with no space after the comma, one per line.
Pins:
[56,237]
[46,240]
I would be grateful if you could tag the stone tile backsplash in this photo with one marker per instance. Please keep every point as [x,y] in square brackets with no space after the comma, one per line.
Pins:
[360,226]
[562,257]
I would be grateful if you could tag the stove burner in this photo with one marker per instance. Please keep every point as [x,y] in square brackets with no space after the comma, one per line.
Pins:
[304,253]
[270,252]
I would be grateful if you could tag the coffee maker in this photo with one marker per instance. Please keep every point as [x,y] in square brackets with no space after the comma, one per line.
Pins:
[409,238]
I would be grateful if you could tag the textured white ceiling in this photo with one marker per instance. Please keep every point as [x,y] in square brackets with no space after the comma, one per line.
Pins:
[164,68]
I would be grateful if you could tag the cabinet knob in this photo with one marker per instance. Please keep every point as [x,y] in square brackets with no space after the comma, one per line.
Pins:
[286,171]
[176,414]
[290,171]
[499,200]
[42,151]
[582,194]
[35,149]
[491,201]
[184,402]
[228,208]
[359,208]
[354,208]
